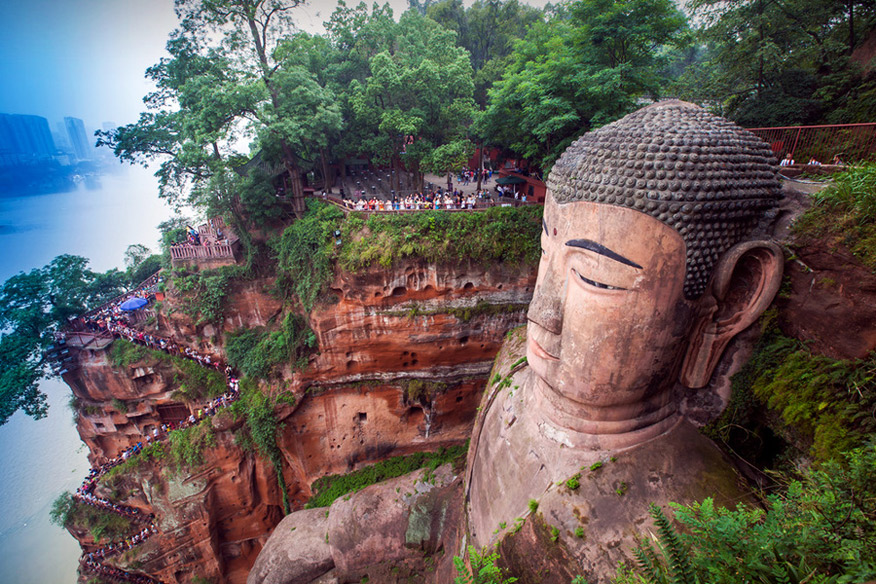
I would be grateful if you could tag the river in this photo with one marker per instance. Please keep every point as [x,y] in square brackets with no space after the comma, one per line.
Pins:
[42,458]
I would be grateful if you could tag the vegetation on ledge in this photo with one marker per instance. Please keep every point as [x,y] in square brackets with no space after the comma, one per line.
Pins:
[101,524]
[195,382]
[845,214]
[307,249]
[497,235]
[258,353]
[329,488]
[826,403]
[822,528]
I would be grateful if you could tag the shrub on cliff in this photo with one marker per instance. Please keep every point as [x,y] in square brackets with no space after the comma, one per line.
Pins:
[257,353]
[328,488]
[202,294]
[187,445]
[821,529]
[304,253]
[101,524]
[845,213]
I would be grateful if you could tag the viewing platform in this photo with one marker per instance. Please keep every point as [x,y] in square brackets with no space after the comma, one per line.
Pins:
[219,246]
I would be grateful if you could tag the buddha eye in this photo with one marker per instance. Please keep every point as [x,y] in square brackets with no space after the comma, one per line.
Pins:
[543,252]
[596,284]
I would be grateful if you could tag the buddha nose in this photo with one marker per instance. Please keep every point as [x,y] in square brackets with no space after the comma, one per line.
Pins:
[546,307]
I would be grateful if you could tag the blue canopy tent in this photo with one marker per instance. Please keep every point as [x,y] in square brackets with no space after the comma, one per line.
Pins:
[133,304]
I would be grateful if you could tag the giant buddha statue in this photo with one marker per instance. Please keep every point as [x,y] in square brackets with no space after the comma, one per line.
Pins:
[651,263]
[650,266]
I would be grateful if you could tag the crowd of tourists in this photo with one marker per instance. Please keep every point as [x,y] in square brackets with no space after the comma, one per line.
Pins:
[114,574]
[113,320]
[422,201]
[467,176]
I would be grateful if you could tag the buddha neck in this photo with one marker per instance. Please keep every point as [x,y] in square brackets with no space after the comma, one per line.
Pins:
[611,427]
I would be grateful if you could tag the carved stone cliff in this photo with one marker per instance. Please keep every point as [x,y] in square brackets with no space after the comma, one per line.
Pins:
[403,356]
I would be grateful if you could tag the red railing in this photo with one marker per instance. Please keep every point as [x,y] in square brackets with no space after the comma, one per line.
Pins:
[851,142]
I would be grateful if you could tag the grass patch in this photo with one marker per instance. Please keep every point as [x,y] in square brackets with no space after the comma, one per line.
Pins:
[305,252]
[154,452]
[329,488]
[202,295]
[260,430]
[124,353]
[196,383]
[464,314]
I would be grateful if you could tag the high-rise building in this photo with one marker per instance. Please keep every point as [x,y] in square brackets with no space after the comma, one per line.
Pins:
[78,138]
[24,139]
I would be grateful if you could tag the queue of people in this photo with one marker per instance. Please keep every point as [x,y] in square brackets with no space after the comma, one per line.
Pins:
[422,201]
[112,319]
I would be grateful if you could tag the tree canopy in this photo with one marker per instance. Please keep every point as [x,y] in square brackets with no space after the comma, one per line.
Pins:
[33,306]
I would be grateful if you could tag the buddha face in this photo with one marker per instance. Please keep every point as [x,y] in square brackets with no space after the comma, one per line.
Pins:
[608,321]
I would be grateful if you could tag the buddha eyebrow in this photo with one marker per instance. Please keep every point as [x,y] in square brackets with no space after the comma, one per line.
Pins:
[601,250]
[544,224]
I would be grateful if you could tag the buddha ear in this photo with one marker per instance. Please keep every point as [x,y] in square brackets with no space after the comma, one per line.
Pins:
[744,283]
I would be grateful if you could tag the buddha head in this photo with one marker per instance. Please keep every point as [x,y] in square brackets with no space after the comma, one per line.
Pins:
[649,266]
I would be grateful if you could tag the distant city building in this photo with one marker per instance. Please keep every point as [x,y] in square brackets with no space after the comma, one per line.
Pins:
[24,139]
[78,138]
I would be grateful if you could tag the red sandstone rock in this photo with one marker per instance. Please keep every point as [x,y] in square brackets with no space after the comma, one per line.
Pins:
[214,522]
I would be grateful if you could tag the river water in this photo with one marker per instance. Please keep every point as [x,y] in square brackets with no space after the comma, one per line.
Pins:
[39,459]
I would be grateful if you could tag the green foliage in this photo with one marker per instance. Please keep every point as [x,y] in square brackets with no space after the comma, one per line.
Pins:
[596,465]
[509,235]
[573,482]
[579,532]
[586,66]
[103,525]
[422,391]
[845,214]
[821,529]
[533,505]
[257,353]
[776,64]
[203,294]
[555,534]
[155,452]
[828,402]
[261,429]
[328,488]
[305,251]
[123,353]
[187,445]
[120,406]
[483,568]
[33,306]
[196,382]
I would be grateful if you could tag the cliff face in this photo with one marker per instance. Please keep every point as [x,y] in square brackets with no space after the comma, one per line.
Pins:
[404,354]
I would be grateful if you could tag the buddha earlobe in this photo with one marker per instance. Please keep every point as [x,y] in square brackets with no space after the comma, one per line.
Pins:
[744,283]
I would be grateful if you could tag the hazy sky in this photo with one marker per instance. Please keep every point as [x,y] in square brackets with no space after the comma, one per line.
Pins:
[86,58]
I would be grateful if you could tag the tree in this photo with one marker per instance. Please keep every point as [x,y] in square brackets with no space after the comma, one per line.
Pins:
[487,30]
[416,99]
[588,65]
[33,306]
[782,62]
[219,85]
